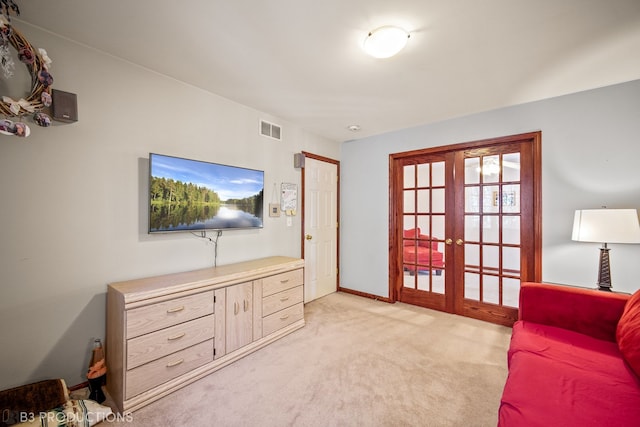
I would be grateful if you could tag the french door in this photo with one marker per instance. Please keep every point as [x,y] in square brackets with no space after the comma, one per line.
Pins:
[465,226]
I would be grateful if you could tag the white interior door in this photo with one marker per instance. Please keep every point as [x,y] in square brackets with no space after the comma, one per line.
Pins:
[320,228]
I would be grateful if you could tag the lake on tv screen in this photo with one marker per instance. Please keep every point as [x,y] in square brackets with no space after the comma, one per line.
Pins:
[202,217]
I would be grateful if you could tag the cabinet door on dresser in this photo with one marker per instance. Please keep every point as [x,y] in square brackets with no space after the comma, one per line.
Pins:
[236,330]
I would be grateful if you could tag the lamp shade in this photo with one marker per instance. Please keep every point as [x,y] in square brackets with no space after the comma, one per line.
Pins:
[385,42]
[606,226]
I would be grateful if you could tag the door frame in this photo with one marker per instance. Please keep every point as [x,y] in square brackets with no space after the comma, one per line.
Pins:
[309,155]
[395,197]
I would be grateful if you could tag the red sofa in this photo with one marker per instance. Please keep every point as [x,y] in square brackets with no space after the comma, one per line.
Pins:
[574,359]
[418,253]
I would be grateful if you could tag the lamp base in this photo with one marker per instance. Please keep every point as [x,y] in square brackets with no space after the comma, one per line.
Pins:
[604,275]
[95,388]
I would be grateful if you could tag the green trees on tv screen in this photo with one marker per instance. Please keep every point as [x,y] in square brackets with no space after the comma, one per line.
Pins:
[169,191]
[165,191]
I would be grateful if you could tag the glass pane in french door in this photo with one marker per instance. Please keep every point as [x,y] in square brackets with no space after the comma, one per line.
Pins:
[492,219]
[423,221]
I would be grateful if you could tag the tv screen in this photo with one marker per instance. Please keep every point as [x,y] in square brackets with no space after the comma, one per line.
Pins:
[192,195]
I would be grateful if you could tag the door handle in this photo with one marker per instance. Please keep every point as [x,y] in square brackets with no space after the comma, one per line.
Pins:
[448,241]
[459,242]
[308,237]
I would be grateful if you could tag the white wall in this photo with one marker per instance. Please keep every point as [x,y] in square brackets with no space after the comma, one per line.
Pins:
[590,158]
[73,216]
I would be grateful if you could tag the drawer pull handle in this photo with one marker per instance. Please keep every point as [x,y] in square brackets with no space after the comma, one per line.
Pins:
[283,299]
[284,281]
[175,309]
[285,317]
[246,305]
[236,308]
[175,363]
[176,337]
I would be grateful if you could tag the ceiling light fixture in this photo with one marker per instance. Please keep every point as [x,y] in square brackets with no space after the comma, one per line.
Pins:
[386,41]
[353,128]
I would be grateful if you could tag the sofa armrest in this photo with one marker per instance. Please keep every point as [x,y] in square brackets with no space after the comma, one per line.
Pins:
[587,311]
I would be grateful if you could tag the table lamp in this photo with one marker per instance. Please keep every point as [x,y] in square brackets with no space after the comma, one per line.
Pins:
[606,226]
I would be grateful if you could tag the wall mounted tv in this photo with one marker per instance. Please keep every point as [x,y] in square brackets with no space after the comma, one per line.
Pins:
[194,195]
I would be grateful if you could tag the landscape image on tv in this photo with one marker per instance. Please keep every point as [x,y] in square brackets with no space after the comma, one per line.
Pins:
[190,195]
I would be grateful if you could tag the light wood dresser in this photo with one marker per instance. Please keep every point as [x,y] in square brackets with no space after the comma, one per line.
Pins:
[165,332]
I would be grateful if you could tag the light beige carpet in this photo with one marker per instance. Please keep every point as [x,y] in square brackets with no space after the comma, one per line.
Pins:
[357,362]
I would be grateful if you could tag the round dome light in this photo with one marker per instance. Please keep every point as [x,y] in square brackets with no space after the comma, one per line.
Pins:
[386,41]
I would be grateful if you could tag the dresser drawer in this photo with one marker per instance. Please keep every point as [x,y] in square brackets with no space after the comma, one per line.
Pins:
[283,318]
[152,374]
[157,316]
[279,282]
[282,300]
[157,344]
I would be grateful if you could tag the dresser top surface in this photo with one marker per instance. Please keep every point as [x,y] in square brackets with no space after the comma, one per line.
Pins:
[224,275]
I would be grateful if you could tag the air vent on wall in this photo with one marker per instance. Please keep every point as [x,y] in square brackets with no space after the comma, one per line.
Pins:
[270,130]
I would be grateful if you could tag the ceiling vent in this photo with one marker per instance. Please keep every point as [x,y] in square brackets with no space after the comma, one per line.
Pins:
[270,130]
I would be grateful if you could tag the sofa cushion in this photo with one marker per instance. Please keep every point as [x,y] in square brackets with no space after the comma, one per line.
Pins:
[628,332]
[588,311]
[421,255]
[569,347]
[546,392]
[561,377]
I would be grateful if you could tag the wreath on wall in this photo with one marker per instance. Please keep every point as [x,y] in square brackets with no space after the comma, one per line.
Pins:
[37,62]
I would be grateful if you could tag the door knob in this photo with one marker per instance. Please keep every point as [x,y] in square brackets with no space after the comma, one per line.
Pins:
[308,237]
[459,242]
[448,241]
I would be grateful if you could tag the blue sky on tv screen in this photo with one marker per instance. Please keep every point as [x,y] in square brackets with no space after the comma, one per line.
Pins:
[228,181]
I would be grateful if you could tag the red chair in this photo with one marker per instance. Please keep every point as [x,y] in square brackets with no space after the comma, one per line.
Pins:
[421,254]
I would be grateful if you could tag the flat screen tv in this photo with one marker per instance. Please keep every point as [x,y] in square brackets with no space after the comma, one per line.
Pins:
[194,195]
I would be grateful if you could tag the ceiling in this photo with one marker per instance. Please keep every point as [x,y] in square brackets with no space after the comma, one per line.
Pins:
[301,60]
